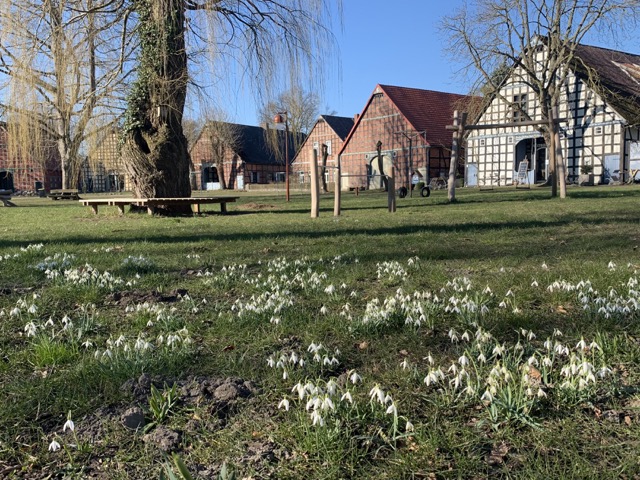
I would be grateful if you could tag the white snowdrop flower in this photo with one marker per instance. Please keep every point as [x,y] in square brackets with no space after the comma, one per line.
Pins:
[429,358]
[327,404]
[611,266]
[54,446]
[453,335]
[285,375]
[317,418]
[30,329]
[66,319]
[14,312]
[529,392]
[33,309]
[87,344]
[603,372]
[534,283]
[487,290]
[509,293]
[502,304]
[332,387]
[275,320]
[392,410]
[499,350]
[557,332]
[330,290]
[409,427]
[301,362]
[69,424]
[594,346]
[150,323]
[353,294]
[502,270]
[465,336]
[355,378]
[582,345]
[323,310]
[482,358]
[544,266]
[547,362]
[516,310]
[343,286]
[347,396]
[463,360]
[405,364]
[284,403]
[107,354]
[487,397]
[377,393]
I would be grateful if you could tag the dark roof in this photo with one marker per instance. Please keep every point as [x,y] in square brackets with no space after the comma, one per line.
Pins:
[618,75]
[251,144]
[341,125]
[427,110]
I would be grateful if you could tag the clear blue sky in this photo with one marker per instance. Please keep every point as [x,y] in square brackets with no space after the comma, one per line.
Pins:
[389,42]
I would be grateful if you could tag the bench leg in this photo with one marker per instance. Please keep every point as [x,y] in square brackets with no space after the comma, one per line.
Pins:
[120,209]
[223,207]
[150,209]
[94,209]
[196,208]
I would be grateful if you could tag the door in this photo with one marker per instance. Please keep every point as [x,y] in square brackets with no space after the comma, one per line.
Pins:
[472,175]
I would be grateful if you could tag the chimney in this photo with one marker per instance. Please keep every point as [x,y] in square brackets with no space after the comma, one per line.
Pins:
[356,117]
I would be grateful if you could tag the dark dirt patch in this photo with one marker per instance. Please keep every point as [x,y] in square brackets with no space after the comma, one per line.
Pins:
[259,206]
[135,297]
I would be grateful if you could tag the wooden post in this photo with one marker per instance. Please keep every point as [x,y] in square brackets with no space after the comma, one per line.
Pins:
[337,192]
[315,187]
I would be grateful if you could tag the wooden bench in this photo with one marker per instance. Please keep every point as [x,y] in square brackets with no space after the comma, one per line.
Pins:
[5,198]
[64,194]
[152,203]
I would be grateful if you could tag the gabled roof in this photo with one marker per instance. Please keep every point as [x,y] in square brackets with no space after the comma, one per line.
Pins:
[618,74]
[250,143]
[426,111]
[340,125]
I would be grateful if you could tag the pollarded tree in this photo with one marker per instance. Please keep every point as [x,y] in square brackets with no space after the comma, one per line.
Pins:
[61,72]
[536,40]
[267,35]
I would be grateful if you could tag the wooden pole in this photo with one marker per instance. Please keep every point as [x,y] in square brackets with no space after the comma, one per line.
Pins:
[337,189]
[315,187]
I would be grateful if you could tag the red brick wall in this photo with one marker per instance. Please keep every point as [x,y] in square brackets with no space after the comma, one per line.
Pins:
[383,122]
[321,133]
[27,172]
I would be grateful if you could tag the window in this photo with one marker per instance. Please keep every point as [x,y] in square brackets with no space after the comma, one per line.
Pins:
[519,108]
[278,177]
[254,177]
[598,130]
[482,142]
[328,144]
[301,177]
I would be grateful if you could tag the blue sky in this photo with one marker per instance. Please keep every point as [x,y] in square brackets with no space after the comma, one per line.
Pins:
[393,42]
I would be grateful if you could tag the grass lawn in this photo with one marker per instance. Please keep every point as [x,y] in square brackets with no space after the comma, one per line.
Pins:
[495,337]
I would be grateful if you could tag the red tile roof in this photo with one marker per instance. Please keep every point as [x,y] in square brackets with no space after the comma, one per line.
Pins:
[427,110]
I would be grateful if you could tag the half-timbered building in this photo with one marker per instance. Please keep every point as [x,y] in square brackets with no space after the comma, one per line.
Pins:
[599,112]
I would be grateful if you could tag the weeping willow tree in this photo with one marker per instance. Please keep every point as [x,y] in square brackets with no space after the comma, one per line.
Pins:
[266,39]
[62,71]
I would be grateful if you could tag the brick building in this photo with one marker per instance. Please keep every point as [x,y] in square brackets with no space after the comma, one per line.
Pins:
[328,130]
[410,123]
[18,173]
[104,170]
[246,159]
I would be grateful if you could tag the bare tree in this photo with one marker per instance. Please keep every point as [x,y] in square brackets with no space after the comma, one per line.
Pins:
[267,34]
[302,109]
[534,43]
[61,69]
[223,138]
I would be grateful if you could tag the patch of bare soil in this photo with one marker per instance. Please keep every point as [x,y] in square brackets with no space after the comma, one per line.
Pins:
[259,206]
[135,297]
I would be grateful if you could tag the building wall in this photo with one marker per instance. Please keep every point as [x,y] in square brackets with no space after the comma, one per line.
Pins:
[383,122]
[104,171]
[321,134]
[26,174]
[590,135]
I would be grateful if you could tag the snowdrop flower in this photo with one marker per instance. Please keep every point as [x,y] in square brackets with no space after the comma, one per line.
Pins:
[323,310]
[30,329]
[611,266]
[317,418]
[541,393]
[69,424]
[347,396]
[330,290]
[465,336]
[377,393]
[354,377]
[392,410]
[482,358]
[284,403]
[405,364]
[33,309]
[582,345]
[429,358]
[14,312]
[463,360]
[487,290]
[487,397]
[544,266]
[534,283]
[409,427]
[87,344]
[54,446]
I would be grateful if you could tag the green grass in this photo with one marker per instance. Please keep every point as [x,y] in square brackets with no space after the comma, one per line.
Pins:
[215,296]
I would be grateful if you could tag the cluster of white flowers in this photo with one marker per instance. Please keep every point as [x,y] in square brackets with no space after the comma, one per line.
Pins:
[58,261]
[88,276]
[138,347]
[291,360]
[393,271]
[137,262]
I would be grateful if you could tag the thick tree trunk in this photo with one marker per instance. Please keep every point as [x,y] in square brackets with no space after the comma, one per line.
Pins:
[155,148]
